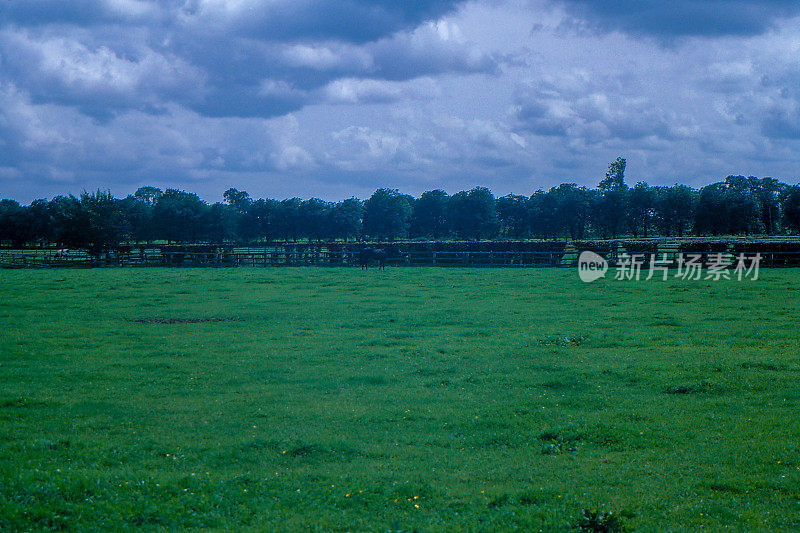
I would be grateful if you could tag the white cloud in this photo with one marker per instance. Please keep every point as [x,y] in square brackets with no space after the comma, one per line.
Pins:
[419,95]
[355,91]
[61,69]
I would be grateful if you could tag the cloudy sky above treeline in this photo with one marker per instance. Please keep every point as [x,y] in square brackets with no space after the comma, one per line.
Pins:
[336,98]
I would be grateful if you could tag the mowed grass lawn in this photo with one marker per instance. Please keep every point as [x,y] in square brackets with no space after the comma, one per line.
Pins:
[410,399]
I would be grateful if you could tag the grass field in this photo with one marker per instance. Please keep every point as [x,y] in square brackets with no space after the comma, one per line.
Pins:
[410,399]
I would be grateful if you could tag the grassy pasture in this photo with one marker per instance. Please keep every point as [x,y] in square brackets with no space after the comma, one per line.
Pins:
[410,399]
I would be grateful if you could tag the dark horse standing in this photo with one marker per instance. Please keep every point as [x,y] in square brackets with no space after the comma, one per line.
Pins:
[366,255]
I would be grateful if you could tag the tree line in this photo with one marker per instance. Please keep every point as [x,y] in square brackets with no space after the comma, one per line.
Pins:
[99,222]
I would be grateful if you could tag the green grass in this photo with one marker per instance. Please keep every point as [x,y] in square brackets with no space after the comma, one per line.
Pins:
[410,399]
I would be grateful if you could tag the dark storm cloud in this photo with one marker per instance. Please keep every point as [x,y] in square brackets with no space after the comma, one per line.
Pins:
[677,18]
[81,12]
[95,77]
[349,20]
[333,98]
[249,58]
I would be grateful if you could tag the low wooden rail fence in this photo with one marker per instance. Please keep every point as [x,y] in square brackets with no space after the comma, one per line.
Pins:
[348,258]
[321,257]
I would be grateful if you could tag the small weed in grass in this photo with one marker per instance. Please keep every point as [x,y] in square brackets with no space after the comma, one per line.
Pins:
[563,340]
[596,521]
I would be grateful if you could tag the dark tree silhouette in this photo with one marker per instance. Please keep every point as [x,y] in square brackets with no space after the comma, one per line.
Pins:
[512,213]
[345,219]
[179,216]
[473,214]
[429,218]
[387,215]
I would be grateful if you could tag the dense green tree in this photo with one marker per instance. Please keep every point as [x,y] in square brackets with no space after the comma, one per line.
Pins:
[768,192]
[108,227]
[259,221]
[615,176]
[139,214]
[674,209]
[641,208]
[314,218]
[95,222]
[790,206]
[743,204]
[543,215]
[729,207]
[610,207]
[39,222]
[572,208]
[429,217]
[63,212]
[148,195]
[513,216]
[387,215]
[345,219]
[287,219]
[220,223]
[473,214]
[711,215]
[13,223]
[179,216]
[239,200]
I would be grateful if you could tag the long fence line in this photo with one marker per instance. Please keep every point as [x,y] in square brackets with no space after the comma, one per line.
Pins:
[280,258]
[316,255]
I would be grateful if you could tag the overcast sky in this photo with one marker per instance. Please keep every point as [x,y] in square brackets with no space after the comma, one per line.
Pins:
[336,98]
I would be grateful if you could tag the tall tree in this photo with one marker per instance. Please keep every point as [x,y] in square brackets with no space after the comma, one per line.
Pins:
[148,195]
[259,222]
[473,214]
[95,222]
[768,191]
[615,176]
[345,219]
[743,205]
[139,213]
[39,222]
[610,207]
[512,214]
[429,218]
[314,215]
[571,205]
[674,209]
[387,215]
[108,226]
[13,223]
[711,215]
[543,215]
[287,219]
[641,207]
[790,205]
[220,223]
[239,200]
[179,216]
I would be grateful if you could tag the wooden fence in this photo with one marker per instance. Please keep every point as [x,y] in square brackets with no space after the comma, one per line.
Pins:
[339,255]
